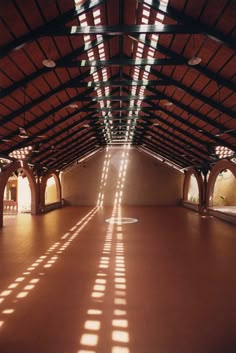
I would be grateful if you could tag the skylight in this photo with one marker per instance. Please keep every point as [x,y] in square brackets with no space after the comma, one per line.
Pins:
[97,13]
[21,153]
[93,72]
[137,73]
[150,55]
[223,152]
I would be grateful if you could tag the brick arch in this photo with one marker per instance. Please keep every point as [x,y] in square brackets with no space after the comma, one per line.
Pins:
[218,167]
[199,179]
[43,184]
[5,175]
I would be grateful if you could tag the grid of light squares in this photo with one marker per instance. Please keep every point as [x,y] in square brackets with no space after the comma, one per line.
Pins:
[143,75]
[21,153]
[223,152]
[94,72]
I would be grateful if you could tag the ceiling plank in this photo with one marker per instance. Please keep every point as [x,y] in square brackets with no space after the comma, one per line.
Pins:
[58,21]
[214,76]
[29,78]
[211,32]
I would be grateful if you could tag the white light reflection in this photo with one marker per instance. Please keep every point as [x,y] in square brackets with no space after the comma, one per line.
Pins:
[89,339]
[108,292]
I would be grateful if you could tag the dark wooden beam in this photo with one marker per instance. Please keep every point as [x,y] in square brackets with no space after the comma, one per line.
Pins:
[118,30]
[121,62]
[113,83]
[48,28]
[211,32]
[29,78]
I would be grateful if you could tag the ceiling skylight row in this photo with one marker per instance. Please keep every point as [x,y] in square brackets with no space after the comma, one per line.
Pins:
[150,55]
[136,76]
[94,73]
[223,152]
[21,153]
[139,54]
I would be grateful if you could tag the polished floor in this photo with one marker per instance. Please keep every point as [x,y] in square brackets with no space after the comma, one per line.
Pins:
[72,283]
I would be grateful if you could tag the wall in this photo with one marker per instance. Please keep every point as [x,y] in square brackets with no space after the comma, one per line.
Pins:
[51,191]
[193,191]
[147,181]
[225,189]
[24,194]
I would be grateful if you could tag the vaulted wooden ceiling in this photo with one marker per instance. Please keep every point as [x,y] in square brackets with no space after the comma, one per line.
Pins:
[120,72]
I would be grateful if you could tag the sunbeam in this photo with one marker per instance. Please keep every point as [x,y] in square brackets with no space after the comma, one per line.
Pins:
[110,280]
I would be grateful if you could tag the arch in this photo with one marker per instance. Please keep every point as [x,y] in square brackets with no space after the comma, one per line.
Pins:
[43,185]
[200,184]
[218,167]
[199,180]
[5,175]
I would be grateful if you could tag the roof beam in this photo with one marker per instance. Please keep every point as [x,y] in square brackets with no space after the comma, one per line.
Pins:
[44,97]
[8,90]
[114,83]
[71,146]
[66,129]
[195,94]
[122,117]
[166,131]
[58,21]
[187,20]
[171,156]
[178,142]
[182,132]
[77,154]
[182,139]
[43,131]
[118,30]
[117,109]
[187,123]
[182,121]
[150,151]
[119,98]
[51,113]
[121,62]
[200,116]
[54,162]
[198,95]
[71,161]
[189,109]
[203,70]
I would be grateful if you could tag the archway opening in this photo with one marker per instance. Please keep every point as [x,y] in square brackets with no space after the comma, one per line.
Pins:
[10,200]
[224,193]
[24,194]
[51,193]
[17,194]
[193,190]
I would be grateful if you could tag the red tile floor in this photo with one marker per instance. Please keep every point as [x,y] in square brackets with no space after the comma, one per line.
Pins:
[72,283]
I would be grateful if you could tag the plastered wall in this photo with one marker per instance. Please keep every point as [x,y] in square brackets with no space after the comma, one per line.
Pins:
[225,190]
[51,194]
[146,181]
